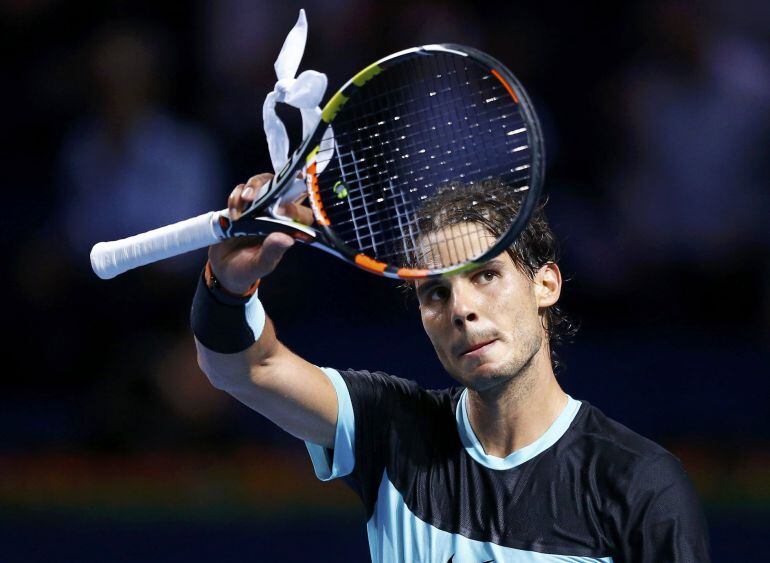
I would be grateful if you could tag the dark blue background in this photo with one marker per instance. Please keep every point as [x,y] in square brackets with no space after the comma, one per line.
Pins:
[656,121]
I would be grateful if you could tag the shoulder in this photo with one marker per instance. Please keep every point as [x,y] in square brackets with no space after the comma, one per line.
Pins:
[381,382]
[396,395]
[615,442]
[627,465]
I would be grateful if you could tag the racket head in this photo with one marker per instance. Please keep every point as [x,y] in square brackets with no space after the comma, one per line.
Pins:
[411,157]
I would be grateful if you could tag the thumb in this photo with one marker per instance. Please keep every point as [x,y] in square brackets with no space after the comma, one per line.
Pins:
[273,249]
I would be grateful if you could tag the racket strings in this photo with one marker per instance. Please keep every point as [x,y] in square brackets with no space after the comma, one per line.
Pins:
[461,222]
[514,138]
[428,124]
[368,183]
[395,90]
[410,229]
[388,113]
[458,244]
[346,138]
[374,181]
[481,117]
[403,212]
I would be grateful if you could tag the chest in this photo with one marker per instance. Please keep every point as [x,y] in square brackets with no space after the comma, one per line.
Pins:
[545,505]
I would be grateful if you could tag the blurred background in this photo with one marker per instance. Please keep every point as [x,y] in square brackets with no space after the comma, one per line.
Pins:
[121,116]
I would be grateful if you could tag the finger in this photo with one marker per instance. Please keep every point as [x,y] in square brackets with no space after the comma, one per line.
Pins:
[254,185]
[300,213]
[259,180]
[233,200]
[273,249]
[248,246]
[233,197]
[247,197]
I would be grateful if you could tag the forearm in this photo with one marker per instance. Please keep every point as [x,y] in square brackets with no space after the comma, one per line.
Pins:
[273,381]
[231,372]
[240,354]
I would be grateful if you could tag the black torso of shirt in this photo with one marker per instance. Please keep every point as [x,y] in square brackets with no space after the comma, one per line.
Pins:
[600,490]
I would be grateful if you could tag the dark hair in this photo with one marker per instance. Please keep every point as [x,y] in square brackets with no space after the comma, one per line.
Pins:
[492,204]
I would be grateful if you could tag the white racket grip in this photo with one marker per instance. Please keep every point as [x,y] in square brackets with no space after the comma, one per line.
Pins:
[108,259]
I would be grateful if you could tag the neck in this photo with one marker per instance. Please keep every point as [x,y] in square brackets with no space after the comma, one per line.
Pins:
[512,415]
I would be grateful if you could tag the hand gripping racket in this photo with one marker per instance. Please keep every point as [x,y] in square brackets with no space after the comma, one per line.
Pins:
[402,142]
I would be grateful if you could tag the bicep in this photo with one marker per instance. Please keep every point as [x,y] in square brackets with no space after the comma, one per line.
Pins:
[290,391]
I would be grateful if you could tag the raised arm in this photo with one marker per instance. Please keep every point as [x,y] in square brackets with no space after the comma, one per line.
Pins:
[266,375]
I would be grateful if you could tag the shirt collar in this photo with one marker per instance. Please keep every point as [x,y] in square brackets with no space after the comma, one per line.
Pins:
[474,448]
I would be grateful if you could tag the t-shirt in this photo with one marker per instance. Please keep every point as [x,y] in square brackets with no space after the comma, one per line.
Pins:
[589,489]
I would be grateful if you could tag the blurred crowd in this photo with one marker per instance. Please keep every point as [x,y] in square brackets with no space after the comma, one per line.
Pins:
[124,116]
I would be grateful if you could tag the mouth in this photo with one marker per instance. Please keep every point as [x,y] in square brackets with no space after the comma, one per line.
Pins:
[478,347]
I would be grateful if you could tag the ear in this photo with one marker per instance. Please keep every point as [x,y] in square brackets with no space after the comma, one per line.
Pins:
[547,285]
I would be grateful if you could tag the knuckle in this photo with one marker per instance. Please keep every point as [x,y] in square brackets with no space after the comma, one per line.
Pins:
[259,180]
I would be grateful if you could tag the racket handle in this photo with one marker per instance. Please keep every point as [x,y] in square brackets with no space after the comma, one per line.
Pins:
[108,259]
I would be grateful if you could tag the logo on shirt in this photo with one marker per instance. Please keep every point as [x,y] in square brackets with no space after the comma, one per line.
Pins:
[451,560]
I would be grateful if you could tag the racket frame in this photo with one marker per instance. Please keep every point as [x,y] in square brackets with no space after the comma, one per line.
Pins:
[322,236]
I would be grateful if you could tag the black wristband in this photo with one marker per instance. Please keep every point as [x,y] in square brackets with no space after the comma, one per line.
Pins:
[222,322]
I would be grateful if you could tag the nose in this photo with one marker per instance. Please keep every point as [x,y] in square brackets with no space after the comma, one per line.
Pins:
[463,309]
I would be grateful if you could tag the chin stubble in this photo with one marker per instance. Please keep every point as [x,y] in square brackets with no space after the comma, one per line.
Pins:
[516,371]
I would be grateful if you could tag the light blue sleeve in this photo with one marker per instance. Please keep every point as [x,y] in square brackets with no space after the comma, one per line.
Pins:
[331,464]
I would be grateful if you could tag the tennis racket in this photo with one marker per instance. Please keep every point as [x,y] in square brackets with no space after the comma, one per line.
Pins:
[402,142]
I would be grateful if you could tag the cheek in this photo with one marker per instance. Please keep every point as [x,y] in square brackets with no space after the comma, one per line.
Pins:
[518,306]
[430,317]
[427,323]
[431,323]
[507,297]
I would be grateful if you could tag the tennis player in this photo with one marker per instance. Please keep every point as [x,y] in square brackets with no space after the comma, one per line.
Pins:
[504,466]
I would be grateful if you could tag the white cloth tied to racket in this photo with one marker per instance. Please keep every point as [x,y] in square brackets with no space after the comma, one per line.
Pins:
[304,93]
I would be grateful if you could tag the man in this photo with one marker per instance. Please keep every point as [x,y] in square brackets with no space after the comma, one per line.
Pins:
[506,467]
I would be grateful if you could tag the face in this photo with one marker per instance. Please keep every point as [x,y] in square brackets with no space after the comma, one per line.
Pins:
[485,324]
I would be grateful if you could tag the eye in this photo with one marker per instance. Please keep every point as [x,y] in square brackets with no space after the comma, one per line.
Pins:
[486,276]
[438,293]
[432,293]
